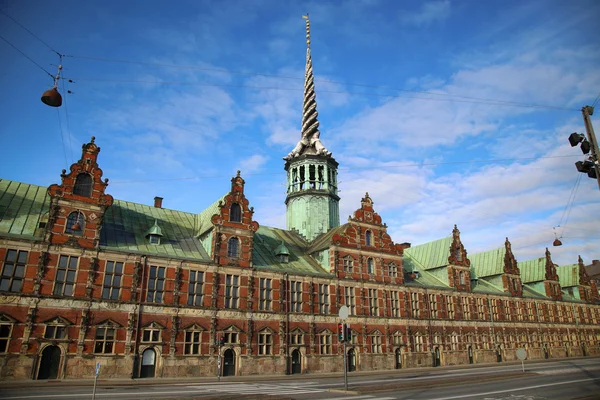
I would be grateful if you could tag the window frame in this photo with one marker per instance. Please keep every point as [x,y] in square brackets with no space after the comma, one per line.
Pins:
[235,213]
[79,186]
[103,340]
[265,343]
[17,265]
[195,288]
[157,292]
[233,247]
[265,294]
[325,345]
[323,293]
[112,287]
[191,346]
[60,285]
[75,217]
[232,291]
[6,328]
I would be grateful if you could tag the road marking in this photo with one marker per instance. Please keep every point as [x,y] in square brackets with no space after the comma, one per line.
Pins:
[515,390]
[266,389]
[113,394]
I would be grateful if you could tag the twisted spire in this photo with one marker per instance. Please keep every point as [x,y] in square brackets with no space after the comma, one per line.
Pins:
[310,124]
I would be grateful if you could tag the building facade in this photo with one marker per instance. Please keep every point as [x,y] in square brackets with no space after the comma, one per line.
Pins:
[151,292]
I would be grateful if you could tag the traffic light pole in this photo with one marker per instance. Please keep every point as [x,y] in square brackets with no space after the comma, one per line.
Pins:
[345,366]
[586,112]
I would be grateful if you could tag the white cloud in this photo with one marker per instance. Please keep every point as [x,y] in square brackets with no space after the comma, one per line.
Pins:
[252,164]
[430,12]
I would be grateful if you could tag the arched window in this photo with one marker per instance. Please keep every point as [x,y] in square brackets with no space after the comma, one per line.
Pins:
[75,223]
[233,247]
[235,214]
[368,238]
[83,185]
[370,266]
[461,277]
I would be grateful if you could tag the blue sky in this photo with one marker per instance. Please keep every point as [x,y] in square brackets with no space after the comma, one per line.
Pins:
[403,92]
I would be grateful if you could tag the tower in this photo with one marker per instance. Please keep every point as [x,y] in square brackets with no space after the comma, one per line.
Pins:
[312,202]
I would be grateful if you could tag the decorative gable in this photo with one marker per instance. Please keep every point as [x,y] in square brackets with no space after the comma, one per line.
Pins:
[458,254]
[459,274]
[78,204]
[551,284]
[512,275]
[233,237]
[584,279]
[510,262]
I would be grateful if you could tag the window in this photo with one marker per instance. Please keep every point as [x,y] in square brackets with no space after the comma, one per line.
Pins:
[296,294]
[83,185]
[193,341]
[5,330]
[392,270]
[373,303]
[13,271]
[75,223]
[454,341]
[480,309]
[350,301]
[530,311]
[104,342]
[112,280]
[156,284]
[232,291]
[368,238]
[418,342]
[325,343]
[414,302]
[151,333]
[348,263]
[433,305]
[397,339]
[296,337]
[395,303]
[55,331]
[466,308]
[265,294]
[230,336]
[376,344]
[233,247]
[196,289]
[450,306]
[461,276]
[265,342]
[65,276]
[495,309]
[235,213]
[323,299]
[370,266]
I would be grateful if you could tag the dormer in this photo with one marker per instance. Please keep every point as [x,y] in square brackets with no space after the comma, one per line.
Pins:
[282,253]
[459,274]
[233,227]
[154,234]
[78,204]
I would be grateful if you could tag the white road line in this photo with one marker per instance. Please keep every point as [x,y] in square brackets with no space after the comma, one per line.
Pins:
[353,398]
[514,390]
[81,395]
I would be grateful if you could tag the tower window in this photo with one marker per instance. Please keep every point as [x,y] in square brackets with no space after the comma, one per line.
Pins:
[75,223]
[83,185]
[369,238]
[370,266]
[235,213]
[233,247]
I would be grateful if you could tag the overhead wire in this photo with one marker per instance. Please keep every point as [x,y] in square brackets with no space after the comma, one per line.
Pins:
[26,56]
[31,33]
[596,100]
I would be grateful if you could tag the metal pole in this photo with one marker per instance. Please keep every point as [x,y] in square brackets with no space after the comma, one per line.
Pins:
[586,112]
[219,365]
[94,392]
[345,365]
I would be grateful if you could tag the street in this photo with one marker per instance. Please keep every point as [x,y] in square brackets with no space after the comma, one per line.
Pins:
[565,379]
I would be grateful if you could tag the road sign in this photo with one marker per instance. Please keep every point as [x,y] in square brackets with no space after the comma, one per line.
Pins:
[343,313]
[521,354]
[97,368]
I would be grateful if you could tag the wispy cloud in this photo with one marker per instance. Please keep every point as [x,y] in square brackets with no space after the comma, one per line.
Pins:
[430,12]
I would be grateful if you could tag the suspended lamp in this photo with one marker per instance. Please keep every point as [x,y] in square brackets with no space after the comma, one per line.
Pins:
[51,97]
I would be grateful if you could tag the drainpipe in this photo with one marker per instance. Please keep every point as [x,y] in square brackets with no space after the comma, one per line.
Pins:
[136,358]
[288,369]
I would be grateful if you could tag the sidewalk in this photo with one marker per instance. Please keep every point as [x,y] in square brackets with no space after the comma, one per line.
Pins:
[412,372]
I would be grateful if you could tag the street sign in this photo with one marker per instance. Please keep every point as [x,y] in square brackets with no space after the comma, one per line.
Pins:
[343,312]
[97,369]
[521,354]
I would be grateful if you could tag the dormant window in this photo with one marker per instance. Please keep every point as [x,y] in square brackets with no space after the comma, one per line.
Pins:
[348,263]
[83,185]
[196,289]
[55,330]
[392,270]
[156,284]
[13,271]
[151,334]
[325,343]
[296,337]
[111,286]
[235,214]
[376,344]
[265,342]
[233,247]
[232,290]
[193,341]
[75,223]
[323,299]
[64,282]
[265,294]
[104,340]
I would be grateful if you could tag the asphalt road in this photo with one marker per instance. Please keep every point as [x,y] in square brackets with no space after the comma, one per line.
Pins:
[565,379]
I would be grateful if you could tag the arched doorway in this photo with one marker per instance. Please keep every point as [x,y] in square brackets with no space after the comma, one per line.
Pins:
[296,362]
[470,351]
[398,358]
[148,364]
[436,357]
[229,363]
[499,354]
[351,360]
[50,363]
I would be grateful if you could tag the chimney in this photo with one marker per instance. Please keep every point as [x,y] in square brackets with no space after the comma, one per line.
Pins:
[158,202]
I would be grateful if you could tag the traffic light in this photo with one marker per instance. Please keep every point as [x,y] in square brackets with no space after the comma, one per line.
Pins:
[221,341]
[341,332]
[576,138]
[348,333]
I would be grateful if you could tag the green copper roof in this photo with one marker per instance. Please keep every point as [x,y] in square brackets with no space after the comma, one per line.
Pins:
[568,275]
[267,239]
[21,207]
[126,225]
[203,220]
[425,279]
[281,250]
[533,270]
[427,256]
[483,286]
[532,293]
[323,241]
[155,230]
[488,263]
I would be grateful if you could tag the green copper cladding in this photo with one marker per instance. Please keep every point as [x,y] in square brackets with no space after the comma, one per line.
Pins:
[312,201]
